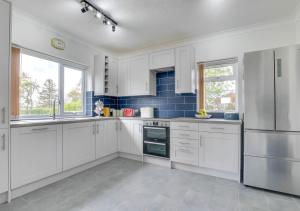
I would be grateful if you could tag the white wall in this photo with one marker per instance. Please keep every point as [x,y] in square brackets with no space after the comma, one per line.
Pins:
[35,35]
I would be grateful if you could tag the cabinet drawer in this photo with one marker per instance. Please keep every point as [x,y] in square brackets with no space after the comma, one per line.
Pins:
[185,142]
[184,134]
[184,154]
[219,128]
[184,126]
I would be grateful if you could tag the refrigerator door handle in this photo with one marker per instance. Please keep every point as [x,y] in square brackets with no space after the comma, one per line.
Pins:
[279,67]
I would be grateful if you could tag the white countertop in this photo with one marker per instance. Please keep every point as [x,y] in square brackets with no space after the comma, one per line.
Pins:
[39,122]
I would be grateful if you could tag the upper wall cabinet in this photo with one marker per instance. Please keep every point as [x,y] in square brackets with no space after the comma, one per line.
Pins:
[106,75]
[185,73]
[123,78]
[142,81]
[162,59]
[4,61]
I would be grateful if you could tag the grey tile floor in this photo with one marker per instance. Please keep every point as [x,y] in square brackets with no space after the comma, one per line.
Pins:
[123,184]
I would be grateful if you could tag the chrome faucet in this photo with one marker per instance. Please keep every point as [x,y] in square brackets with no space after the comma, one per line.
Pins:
[54,108]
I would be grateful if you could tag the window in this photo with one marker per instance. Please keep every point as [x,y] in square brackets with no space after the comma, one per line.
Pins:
[220,87]
[44,80]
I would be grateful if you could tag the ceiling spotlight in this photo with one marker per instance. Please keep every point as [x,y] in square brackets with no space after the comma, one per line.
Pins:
[90,8]
[108,22]
[98,15]
[85,9]
[113,28]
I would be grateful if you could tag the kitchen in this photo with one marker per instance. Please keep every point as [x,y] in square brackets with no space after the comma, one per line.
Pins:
[124,106]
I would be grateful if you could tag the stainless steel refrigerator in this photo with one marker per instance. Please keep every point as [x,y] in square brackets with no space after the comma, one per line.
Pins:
[272,119]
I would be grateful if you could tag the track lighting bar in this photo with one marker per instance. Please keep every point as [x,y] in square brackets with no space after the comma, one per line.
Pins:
[99,13]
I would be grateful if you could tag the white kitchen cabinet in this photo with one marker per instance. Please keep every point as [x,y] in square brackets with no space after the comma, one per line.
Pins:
[142,80]
[219,151]
[130,137]
[185,74]
[36,153]
[106,138]
[125,136]
[3,160]
[162,59]
[5,12]
[137,137]
[123,78]
[78,144]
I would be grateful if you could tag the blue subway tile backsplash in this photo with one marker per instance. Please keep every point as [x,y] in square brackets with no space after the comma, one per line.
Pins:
[167,103]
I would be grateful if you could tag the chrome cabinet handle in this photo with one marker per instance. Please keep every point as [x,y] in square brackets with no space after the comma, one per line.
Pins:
[98,129]
[3,142]
[116,125]
[94,129]
[177,84]
[39,129]
[185,151]
[200,141]
[3,115]
[279,67]
[184,143]
[184,135]
[146,86]
[217,128]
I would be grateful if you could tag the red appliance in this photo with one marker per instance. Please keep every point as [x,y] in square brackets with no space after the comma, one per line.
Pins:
[128,112]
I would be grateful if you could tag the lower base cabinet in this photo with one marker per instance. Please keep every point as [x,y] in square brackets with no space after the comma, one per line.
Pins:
[106,138]
[130,137]
[3,160]
[36,153]
[78,144]
[209,146]
[219,151]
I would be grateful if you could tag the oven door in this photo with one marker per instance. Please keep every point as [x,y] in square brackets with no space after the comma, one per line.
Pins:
[156,141]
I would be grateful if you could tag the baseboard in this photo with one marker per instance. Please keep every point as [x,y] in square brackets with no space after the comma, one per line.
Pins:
[130,156]
[49,180]
[206,171]
[157,161]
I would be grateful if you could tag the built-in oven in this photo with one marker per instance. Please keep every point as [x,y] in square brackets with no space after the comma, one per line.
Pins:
[157,138]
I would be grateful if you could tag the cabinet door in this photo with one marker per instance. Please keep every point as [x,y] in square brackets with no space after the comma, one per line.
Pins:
[139,75]
[219,151]
[101,146]
[4,61]
[106,138]
[137,138]
[111,136]
[162,59]
[113,78]
[78,144]
[36,153]
[99,64]
[125,133]
[185,70]
[3,161]
[123,78]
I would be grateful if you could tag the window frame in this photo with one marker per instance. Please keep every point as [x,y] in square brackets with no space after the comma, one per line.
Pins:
[62,64]
[234,77]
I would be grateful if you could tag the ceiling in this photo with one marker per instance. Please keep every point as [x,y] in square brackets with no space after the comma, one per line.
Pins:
[145,23]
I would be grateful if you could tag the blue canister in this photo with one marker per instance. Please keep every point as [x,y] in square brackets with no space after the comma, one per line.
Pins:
[231,116]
